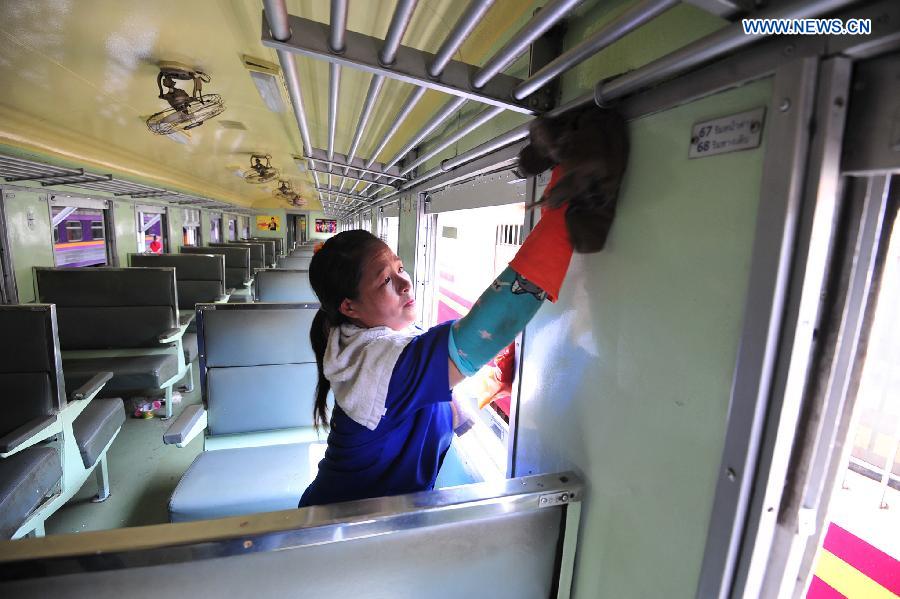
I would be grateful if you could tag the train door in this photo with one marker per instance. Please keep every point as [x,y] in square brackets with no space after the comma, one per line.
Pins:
[80,231]
[302,229]
[8,291]
[190,230]
[152,229]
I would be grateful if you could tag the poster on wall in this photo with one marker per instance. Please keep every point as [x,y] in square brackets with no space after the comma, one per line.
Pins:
[326,225]
[268,223]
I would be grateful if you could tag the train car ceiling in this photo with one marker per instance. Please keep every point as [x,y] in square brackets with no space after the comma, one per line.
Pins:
[99,63]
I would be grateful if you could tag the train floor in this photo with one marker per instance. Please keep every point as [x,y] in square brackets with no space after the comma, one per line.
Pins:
[143,474]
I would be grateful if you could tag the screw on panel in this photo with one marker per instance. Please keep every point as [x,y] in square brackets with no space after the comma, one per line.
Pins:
[732,475]
[785,105]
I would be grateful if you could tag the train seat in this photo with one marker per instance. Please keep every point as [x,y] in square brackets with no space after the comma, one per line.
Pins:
[191,350]
[121,320]
[294,263]
[232,482]
[131,372]
[274,247]
[237,263]
[200,278]
[257,252]
[96,427]
[282,285]
[258,389]
[35,480]
[26,479]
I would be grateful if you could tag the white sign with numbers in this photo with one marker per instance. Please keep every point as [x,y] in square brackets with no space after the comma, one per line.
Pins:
[727,134]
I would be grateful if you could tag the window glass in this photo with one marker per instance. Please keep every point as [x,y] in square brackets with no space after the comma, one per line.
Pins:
[78,238]
[390,231]
[152,237]
[472,247]
[232,229]
[190,231]
[215,229]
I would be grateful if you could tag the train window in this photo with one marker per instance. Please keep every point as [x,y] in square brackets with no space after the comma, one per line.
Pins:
[78,236]
[232,230]
[152,229]
[215,229]
[472,247]
[245,228]
[8,291]
[74,231]
[390,231]
[190,230]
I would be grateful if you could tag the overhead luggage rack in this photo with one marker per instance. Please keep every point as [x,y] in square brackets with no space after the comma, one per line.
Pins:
[15,170]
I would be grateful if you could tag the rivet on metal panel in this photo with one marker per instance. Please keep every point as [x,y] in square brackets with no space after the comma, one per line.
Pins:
[732,475]
[785,105]
[248,544]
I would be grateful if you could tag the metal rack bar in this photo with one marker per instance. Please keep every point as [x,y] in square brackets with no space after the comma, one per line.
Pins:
[275,19]
[362,179]
[73,172]
[613,31]
[358,198]
[477,121]
[73,180]
[464,26]
[310,38]
[706,49]
[436,121]
[399,22]
[546,18]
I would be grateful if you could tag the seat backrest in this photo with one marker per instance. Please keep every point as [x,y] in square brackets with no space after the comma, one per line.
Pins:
[237,262]
[30,367]
[110,308]
[281,285]
[278,241]
[257,367]
[257,252]
[294,262]
[200,277]
[271,251]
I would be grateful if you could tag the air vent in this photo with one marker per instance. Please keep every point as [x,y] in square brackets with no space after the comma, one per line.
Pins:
[236,125]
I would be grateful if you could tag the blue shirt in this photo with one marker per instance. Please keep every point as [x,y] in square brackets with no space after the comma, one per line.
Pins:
[405,451]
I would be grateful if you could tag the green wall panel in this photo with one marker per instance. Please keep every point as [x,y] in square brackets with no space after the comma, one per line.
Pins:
[627,377]
[126,230]
[30,237]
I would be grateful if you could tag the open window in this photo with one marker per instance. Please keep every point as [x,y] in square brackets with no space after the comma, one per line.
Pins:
[190,230]
[215,228]
[8,291]
[232,229]
[79,228]
[152,229]
[474,229]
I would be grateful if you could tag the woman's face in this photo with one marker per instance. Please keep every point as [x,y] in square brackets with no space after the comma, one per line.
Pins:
[385,293]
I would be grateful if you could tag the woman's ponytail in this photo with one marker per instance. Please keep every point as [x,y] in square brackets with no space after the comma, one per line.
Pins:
[318,337]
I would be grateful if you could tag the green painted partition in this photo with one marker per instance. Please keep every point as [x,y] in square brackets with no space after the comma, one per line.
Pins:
[30,237]
[627,378]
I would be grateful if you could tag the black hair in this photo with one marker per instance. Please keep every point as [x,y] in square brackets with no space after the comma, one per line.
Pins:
[334,273]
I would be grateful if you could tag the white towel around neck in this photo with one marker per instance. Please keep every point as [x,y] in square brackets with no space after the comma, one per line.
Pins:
[358,363]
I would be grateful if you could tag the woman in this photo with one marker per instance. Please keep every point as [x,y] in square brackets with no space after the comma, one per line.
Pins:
[392,422]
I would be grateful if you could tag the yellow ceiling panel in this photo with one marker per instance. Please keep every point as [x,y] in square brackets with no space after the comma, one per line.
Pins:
[79,80]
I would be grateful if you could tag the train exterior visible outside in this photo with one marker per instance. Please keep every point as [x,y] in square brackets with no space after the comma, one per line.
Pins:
[79,240]
[709,408]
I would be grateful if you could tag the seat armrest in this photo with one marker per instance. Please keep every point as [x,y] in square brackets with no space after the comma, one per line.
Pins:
[172,335]
[188,425]
[186,319]
[92,387]
[34,431]
[222,298]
